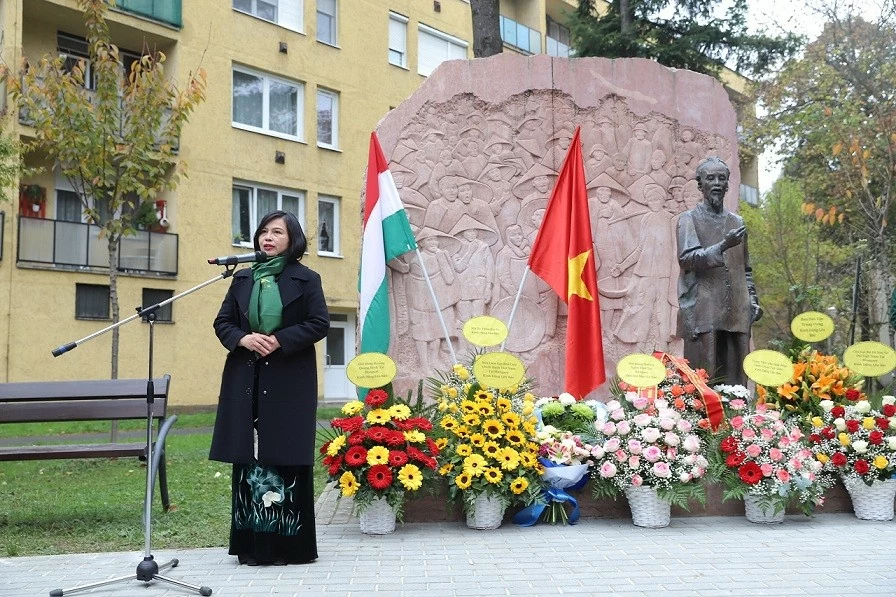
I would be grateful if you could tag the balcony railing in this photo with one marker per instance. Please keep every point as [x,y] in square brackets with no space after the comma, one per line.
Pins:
[74,245]
[166,11]
[519,36]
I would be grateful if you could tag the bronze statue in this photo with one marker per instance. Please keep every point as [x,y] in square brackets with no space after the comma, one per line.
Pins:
[716,295]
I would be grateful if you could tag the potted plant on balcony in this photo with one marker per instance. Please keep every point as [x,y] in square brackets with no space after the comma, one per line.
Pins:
[32,200]
[145,218]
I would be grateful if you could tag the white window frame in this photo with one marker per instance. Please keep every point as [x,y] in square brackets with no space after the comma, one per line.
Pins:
[451,42]
[334,118]
[334,22]
[265,116]
[398,23]
[336,202]
[290,13]
[254,216]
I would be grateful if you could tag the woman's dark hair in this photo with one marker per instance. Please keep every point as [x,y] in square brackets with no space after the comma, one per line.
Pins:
[297,241]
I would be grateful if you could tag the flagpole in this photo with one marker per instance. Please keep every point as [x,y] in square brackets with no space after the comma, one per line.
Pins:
[516,301]
[435,302]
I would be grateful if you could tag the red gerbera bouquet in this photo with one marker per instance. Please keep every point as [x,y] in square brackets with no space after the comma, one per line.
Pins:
[379,450]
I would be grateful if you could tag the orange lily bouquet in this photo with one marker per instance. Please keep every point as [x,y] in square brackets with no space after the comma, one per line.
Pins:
[816,377]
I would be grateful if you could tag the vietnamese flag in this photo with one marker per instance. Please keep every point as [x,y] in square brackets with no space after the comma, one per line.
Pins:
[563,256]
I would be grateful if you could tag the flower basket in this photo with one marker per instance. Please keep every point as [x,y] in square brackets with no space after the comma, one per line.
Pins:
[874,502]
[759,513]
[648,509]
[378,518]
[487,513]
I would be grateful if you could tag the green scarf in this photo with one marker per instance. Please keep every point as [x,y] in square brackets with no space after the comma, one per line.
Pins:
[265,306]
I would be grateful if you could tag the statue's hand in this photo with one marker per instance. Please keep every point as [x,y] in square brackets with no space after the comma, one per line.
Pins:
[756,309]
[734,237]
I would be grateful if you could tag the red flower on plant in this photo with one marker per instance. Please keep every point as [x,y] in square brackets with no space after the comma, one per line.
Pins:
[736,459]
[838,459]
[676,390]
[838,411]
[356,456]
[889,410]
[376,398]
[853,394]
[430,463]
[348,424]
[728,445]
[861,466]
[698,405]
[323,448]
[815,438]
[827,432]
[417,455]
[750,473]
[690,389]
[852,425]
[356,438]
[421,423]
[379,476]
[378,433]
[876,438]
[433,447]
[335,465]
[394,438]
[882,422]
[397,458]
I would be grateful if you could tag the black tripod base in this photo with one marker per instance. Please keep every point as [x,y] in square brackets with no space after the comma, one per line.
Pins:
[147,570]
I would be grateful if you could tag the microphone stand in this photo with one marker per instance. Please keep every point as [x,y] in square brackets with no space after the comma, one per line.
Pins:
[148,569]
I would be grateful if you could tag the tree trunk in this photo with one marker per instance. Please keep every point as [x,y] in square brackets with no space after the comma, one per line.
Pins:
[626,17]
[486,28]
[113,301]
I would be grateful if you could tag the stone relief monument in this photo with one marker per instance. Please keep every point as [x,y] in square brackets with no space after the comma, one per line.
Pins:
[475,153]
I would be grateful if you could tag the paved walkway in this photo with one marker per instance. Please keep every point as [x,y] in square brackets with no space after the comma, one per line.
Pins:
[833,554]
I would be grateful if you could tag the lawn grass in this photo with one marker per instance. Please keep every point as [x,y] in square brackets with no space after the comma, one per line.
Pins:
[96,505]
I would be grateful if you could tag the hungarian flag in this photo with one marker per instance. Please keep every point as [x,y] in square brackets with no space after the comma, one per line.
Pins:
[563,256]
[387,234]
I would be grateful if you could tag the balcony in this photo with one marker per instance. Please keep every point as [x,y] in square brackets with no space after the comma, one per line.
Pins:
[165,11]
[520,37]
[76,246]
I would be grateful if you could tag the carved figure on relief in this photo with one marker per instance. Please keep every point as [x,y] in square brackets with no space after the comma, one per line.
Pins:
[475,266]
[638,151]
[426,330]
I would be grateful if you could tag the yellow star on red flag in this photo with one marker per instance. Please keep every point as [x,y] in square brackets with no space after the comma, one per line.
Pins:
[575,283]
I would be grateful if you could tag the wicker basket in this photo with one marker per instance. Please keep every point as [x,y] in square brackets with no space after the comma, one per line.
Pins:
[378,518]
[874,502]
[648,510]
[756,513]
[487,513]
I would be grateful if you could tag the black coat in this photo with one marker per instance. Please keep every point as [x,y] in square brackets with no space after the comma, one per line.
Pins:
[287,378]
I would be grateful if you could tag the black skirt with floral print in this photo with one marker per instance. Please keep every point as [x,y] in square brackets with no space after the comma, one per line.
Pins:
[273,514]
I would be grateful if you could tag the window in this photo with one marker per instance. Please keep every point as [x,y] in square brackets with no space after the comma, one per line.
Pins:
[557,39]
[327,225]
[68,206]
[327,119]
[326,21]
[74,51]
[435,47]
[267,104]
[398,40]
[91,301]
[519,36]
[749,194]
[252,202]
[152,296]
[286,13]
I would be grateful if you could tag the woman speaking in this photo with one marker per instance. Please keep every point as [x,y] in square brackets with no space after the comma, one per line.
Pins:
[269,322]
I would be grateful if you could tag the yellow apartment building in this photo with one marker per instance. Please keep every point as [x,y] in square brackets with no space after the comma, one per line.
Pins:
[294,89]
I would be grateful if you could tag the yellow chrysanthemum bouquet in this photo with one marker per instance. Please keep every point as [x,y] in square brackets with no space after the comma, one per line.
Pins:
[487,440]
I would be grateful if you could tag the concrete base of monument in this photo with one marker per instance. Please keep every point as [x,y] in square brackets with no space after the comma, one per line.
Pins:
[435,507]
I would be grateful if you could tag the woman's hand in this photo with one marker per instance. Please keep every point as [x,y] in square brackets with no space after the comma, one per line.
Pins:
[260,343]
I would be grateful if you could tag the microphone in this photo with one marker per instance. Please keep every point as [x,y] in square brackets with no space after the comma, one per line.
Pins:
[259,256]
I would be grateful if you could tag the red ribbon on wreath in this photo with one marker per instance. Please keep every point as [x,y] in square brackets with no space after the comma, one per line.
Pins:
[711,400]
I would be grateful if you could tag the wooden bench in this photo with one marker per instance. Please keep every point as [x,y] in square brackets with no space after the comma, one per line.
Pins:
[94,400]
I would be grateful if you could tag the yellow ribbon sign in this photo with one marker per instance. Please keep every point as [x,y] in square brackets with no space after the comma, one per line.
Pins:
[485,331]
[498,370]
[768,367]
[871,359]
[371,370]
[641,370]
[812,326]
